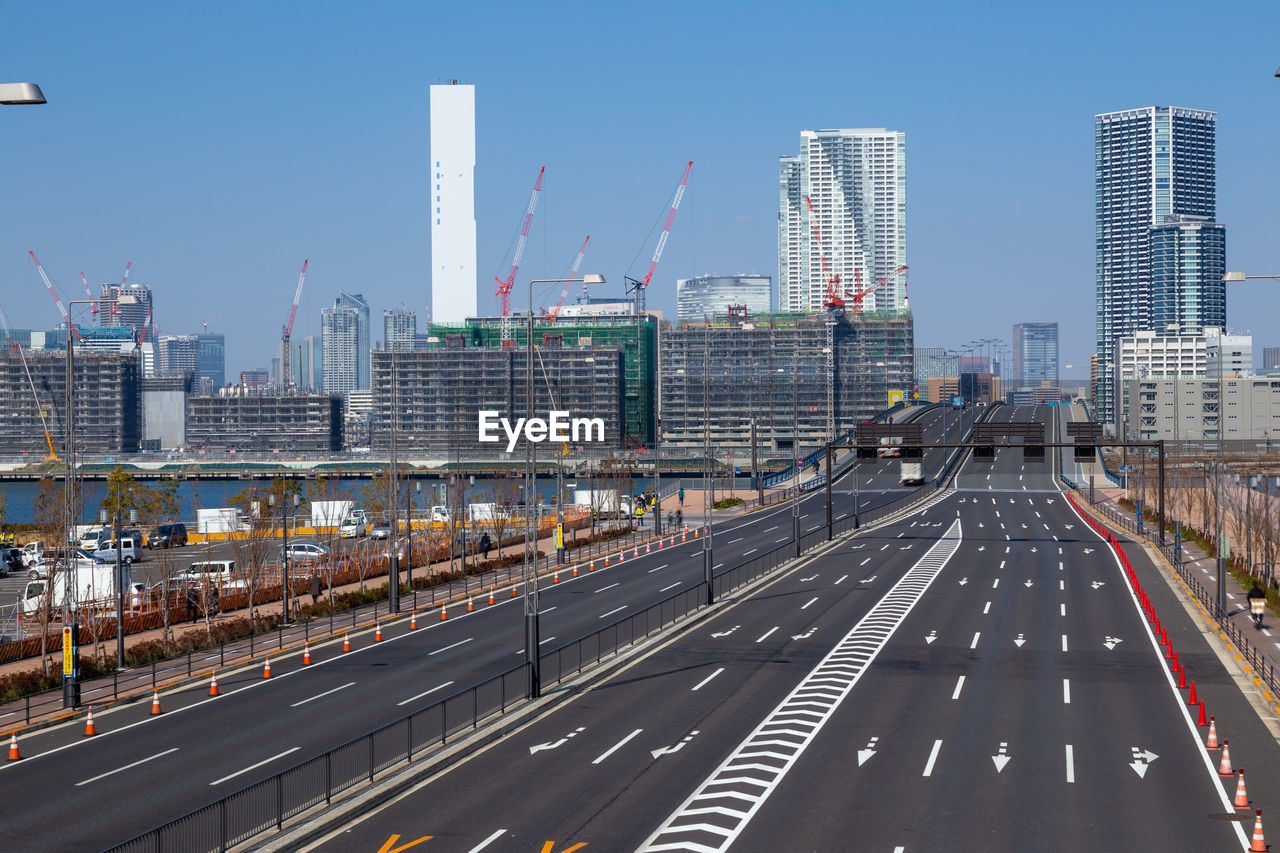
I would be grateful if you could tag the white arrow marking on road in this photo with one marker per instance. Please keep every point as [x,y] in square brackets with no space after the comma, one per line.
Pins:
[1068,526]
[864,754]
[1002,758]
[1146,755]
[1088,550]
[667,750]
[1018,642]
[1141,760]
[980,524]
[806,635]
[1049,500]
[1097,584]
[806,580]
[1112,642]
[963,581]
[1030,583]
[727,633]
[933,635]
[1034,549]
[1024,525]
[871,579]
[552,744]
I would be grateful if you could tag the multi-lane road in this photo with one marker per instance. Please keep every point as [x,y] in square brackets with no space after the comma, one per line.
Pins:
[974,676]
[203,747]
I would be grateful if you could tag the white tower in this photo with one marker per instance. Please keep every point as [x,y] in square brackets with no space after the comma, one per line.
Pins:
[452,202]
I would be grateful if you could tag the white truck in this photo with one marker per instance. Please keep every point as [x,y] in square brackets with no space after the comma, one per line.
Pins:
[89,535]
[219,520]
[330,513]
[912,473]
[606,502]
[88,580]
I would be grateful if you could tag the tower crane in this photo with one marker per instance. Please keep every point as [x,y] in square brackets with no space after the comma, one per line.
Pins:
[835,295]
[550,316]
[53,291]
[504,287]
[641,286]
[17,349]
[124,282]
[286,378]
[89,293]
[859,294]
[207,322]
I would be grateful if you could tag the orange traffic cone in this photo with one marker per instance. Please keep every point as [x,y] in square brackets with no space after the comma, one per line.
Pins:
[1213,735]
[14,754]
[377,632]
[635,552]
[575,570]
[213,684]
[622,555]
[306,654]
[513,591]
[90,731]
[1224,766]
[695,533]
[660,544]
[606,561]
[491,596]
[1242,799]
[646,547]
[470,606]
[346,642]
[591,566]
[266,668]
[155,703]
[444,612]
[1259,844]
[413,621]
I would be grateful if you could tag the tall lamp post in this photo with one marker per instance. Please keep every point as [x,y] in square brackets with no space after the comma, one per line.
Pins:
[530,577]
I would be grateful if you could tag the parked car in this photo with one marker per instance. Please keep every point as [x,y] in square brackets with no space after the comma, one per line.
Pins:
[12,561]
[381,529]
[40,569]
[130,550]
[168,536]
[304,551]
[354,526]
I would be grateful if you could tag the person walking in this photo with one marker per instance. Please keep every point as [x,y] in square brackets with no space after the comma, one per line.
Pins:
[315,586]
[192,603]
[486,544]
[681,495]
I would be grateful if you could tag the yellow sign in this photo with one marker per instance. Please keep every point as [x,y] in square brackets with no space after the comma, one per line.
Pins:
[559,535]
[68,653]
[895,397]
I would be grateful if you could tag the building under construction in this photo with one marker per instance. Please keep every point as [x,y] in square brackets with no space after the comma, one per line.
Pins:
[794,377]
[432,398]
[265,420]
[106,396]
[634,336]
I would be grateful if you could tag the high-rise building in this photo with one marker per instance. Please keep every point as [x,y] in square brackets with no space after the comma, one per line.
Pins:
[1188,261]
[211,358]
[132,307]
[710,296]
[933,363]
[1035,355]
[856,181]
[1150,164]
[452,203]
[255,377]
[306,362]
[1271,358]
[399,329]
[176,354]
[345,331]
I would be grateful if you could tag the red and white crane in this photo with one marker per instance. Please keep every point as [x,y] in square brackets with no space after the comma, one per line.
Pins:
[285,377]
[504,287]
[835,295]
[550,316]
[53,291]
[641,286]
[17,350]
[124,282]
[88,292]
[862,292]
[207,322]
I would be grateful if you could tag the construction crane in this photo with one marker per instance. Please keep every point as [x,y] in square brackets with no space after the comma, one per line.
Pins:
[285,377]
[53,291]
[124,282]
[17,350]
[860,293]
[207,322]
[641,286]
[550,316]
[89,293]
[504,287]
[835,295]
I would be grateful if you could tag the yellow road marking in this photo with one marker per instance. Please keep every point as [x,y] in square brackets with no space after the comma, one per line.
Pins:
[387,848]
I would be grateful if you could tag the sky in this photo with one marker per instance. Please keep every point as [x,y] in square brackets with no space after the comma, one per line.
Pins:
[217,146]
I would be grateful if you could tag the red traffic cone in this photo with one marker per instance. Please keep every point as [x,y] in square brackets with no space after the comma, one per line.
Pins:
[1242,799]
[444,612]
[1182,676]
[213,683]
[622,555]
[1224,766]
[660,541]
[575,570]
[646,547]
[1213,735]
[1259,844]
[1175,666]
[14,754]
[155,703]
[346,642]
[1202,721]
[635,552]
[413,621]
[1194,700]
[266,668]
[513,591]
[306,654]
[90,731]
[606,561]
[377,632]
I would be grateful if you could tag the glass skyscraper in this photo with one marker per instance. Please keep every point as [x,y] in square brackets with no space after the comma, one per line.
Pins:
[1150,164]
[345,340]
[1035,355]
[710,296]
[1188,261]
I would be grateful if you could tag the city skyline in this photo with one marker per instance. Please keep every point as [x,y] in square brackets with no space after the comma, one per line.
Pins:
[275,177]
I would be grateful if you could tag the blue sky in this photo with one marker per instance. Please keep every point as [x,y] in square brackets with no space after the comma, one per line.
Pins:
[216,147]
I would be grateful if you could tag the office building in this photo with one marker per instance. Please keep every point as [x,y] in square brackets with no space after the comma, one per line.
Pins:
[856,181]
[211,358]
[345,331]
[106,390]
[176,355]
[164,411]
[307,363]
[1202,409]
[255,378]
[1150,164]
[451,203]
[1035,355]
[1236,353]
[399,329]
[133,309]
[265,420]
[1188,261]
[709,297]
[1271,358]
[933,363]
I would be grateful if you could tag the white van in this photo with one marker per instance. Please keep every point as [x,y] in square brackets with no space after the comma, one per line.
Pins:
[217,573]
[130,550]
[90,539]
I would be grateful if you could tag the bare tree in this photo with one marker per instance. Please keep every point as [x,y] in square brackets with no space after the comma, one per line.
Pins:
[324,489]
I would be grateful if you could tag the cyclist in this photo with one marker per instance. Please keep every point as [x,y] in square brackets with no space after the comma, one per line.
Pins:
[1257,604]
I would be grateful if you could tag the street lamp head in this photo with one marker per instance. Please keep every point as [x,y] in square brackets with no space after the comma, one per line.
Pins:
[593,278]
[12,94]
[1234,276]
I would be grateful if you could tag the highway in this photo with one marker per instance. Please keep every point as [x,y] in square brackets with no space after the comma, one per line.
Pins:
[204,747]
[975,676]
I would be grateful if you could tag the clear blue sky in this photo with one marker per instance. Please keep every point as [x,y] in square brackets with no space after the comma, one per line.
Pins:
[216,148]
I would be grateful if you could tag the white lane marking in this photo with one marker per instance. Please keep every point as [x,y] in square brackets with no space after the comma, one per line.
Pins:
[1064,642]
[805,606]
[1006,549]
[488,841]
[1066,691]
[717,565]
[767,633]
[933,756]
[842,579]
[995,583]
[617,746]
[672,586]
[1062,609]
[768,529]
[976,635]
[663,566]
[752,551]
[1071,765]
[548,610]
[955,694]
[986,609]
[740,538]
[610,586]
[900,535]
[864,562]
[324,694]
[455,645]
[886,545]
[783,539]
[126,767]
[1002,564]
[703,683]
[801,715]
[255,766]
[1062,585]
[613,611]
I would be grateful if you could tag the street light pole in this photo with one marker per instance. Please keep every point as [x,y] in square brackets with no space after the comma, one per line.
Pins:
[706,461]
